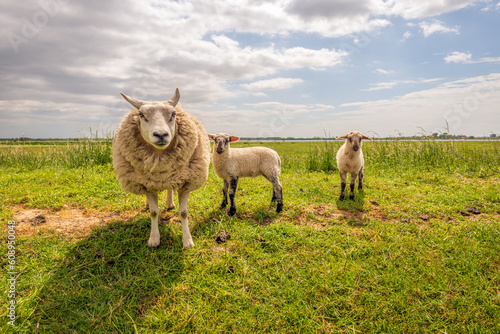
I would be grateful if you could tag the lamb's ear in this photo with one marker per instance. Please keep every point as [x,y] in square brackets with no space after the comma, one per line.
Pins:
[175,98]
[233,138]
[134,102]
[211,136]
[365,137]
[343,137]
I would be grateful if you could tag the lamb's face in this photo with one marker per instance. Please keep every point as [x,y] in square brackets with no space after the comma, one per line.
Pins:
[157,119]
[157,124]
[354,139]
[221,141]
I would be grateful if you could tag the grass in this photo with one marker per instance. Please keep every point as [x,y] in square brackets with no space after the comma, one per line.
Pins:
[405,256]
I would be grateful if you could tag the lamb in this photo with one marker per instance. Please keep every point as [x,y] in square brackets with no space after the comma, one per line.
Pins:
[158,146]
[231,164]
[350,160]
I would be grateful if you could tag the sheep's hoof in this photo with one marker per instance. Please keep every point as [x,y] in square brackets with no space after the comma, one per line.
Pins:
[154,242]
[341,198]
[223,206]
[187,243]
[170,208]
[232,211]
[279,208]
[351,196]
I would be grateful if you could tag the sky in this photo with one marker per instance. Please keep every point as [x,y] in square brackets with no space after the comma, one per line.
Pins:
[253,68]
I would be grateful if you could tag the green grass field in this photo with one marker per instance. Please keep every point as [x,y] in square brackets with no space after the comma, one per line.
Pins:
[417,251]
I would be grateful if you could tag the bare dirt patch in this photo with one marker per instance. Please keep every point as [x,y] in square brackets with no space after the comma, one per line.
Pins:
[71,222]
[326,214]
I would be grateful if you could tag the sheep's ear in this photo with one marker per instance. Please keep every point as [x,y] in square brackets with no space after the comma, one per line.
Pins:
[343,137]
[365,137]
[134,102]
[233,138]
[175,98]
[211,136]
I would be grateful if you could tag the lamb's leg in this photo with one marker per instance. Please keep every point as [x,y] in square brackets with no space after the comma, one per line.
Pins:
[224,194]
[277,192]
[343,177]
[170,200]
[154,238]
[279,196]
[187,241]
[360,179]
[353,181]
[232,192]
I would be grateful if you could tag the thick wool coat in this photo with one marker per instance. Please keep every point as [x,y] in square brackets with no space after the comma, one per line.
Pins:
[141,168]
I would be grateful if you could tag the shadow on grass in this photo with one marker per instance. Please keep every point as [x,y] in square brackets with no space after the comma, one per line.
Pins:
[108,281]
[357,204]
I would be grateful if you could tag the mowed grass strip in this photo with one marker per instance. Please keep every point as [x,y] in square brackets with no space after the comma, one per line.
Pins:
[405,256]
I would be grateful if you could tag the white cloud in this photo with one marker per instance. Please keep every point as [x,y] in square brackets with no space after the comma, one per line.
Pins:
[466,58]
[272,84]
[383,72]
[436,26]
[491,6]
[392,84]
[406,35]
[458,57]
[417,9]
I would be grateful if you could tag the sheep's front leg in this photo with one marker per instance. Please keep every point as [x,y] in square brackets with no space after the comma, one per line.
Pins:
[154,238]
[232,193]
[224,194]
[343,177]
[351,185]
[170,200]
[187,240]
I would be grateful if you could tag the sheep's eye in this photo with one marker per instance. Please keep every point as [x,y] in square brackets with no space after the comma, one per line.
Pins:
[141,115]
[172,117]
[350,140]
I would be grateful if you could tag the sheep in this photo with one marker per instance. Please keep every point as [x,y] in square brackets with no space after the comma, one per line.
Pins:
[231,164]
[158,146]
[350,160]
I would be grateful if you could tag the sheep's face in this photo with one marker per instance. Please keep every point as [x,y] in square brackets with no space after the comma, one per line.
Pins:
[156,120]
[354,139]
[157,124]
[221,141]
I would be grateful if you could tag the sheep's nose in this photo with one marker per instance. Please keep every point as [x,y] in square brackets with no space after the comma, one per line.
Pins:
[355,147]
[160,135]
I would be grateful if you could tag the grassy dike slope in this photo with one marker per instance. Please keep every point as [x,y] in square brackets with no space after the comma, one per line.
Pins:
[417,251]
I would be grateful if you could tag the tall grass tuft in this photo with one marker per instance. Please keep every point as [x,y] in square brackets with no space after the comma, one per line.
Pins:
[322,157]
[85,152]
[467,158]
[481,159]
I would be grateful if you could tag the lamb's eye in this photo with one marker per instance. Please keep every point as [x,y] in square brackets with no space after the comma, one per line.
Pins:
[350,140]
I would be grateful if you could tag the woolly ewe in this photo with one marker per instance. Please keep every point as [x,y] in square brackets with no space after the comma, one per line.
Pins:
[231,164]
[350,160]
[159,147]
